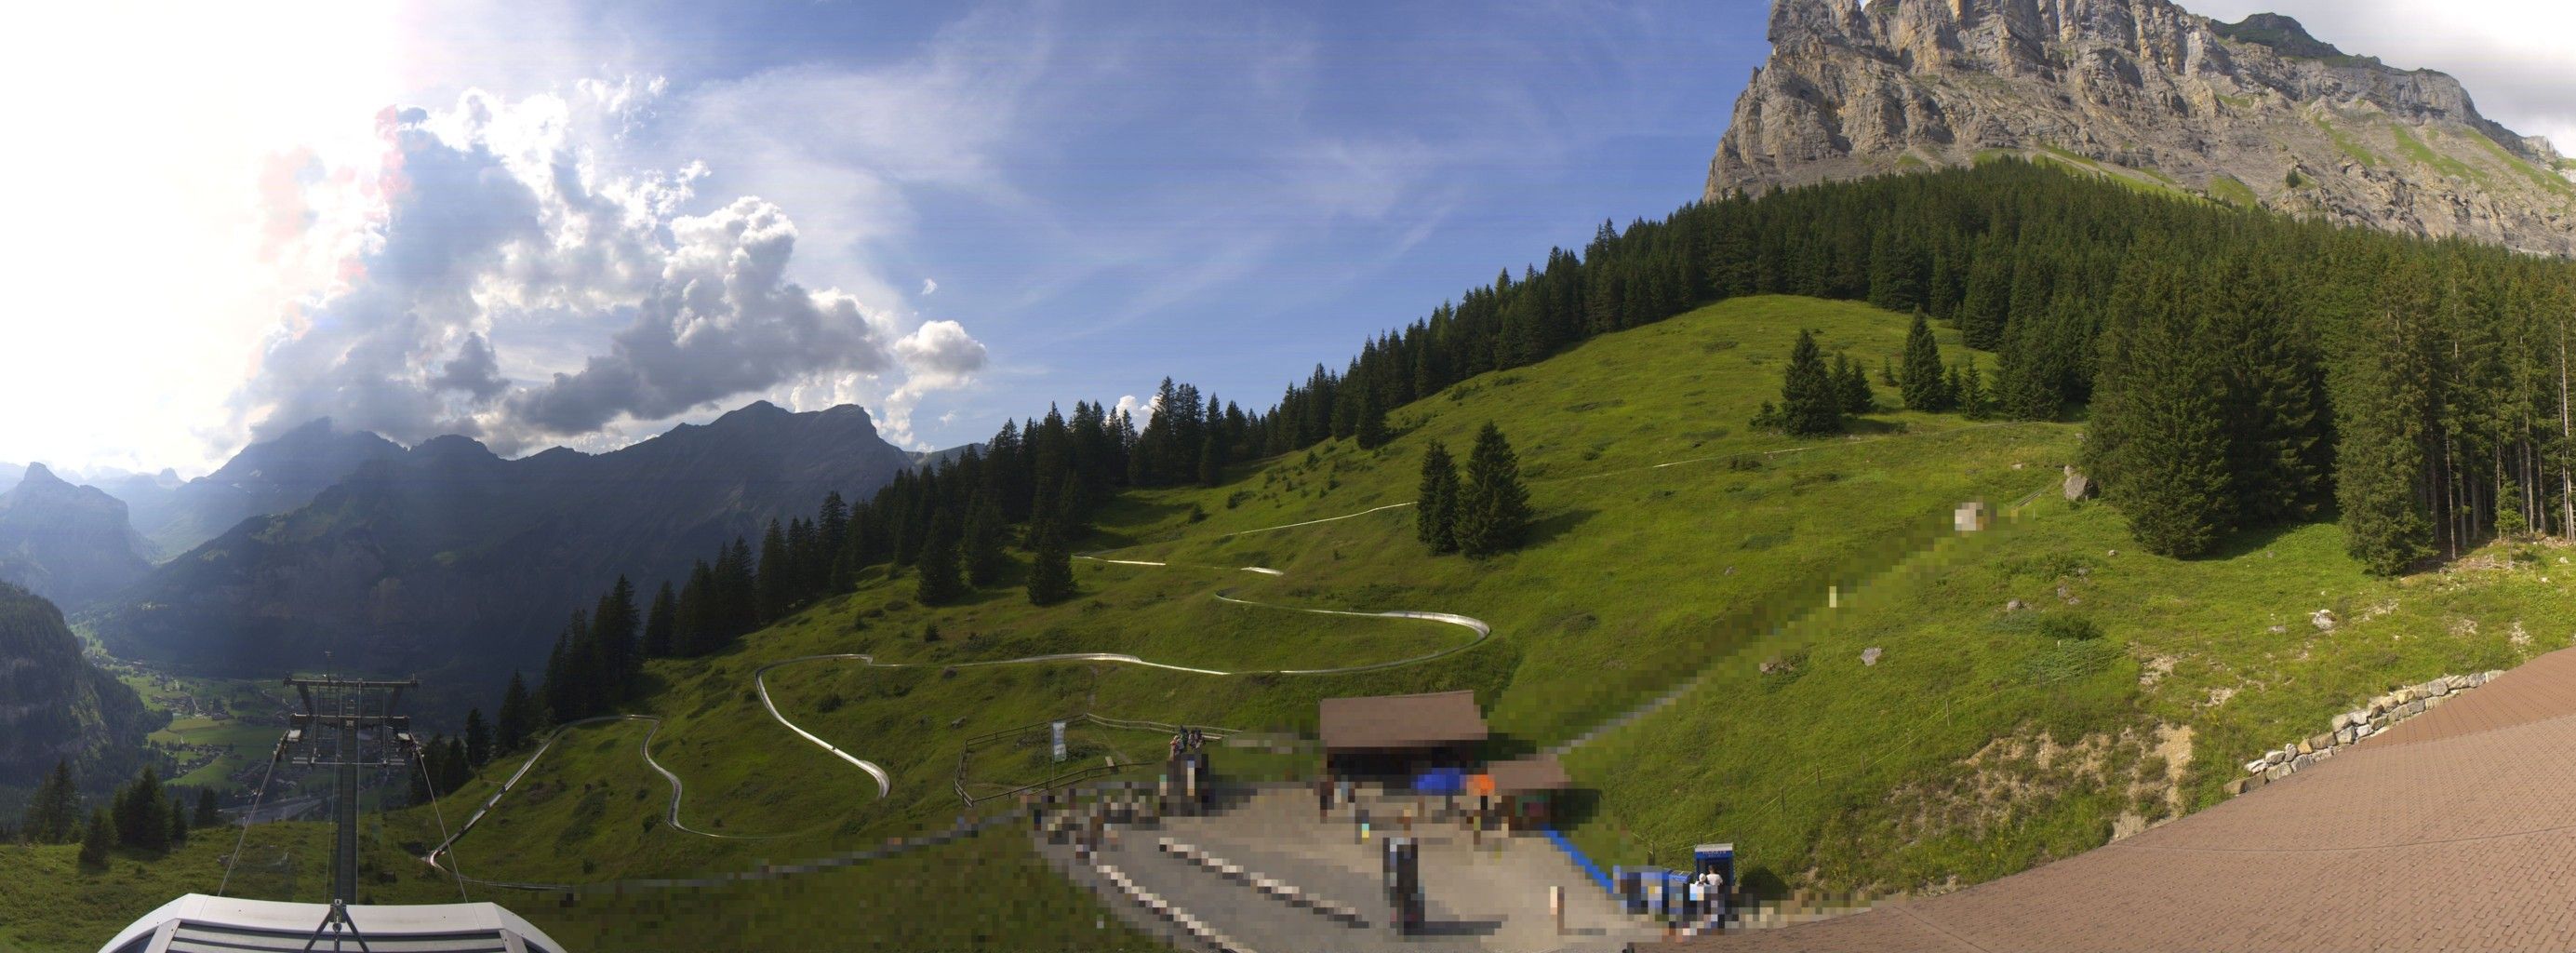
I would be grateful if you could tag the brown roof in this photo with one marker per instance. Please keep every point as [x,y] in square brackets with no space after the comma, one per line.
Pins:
[1533,773]
[1397,722]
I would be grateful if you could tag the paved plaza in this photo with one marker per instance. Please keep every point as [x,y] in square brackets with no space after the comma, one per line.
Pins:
[2455,830]
[1484,894]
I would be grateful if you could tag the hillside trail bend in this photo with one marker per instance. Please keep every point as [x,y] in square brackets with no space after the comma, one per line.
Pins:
[884,781]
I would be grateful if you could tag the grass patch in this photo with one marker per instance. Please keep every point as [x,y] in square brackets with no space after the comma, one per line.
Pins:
[2227,188]
[2345,142]
[2548,181]
[2415,149]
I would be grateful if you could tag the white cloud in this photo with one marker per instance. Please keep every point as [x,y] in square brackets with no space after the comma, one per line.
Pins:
[2517,57]
[505,284]
[1140,411]
[928,286]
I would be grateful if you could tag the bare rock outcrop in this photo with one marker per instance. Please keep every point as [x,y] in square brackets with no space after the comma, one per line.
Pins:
[2257,111]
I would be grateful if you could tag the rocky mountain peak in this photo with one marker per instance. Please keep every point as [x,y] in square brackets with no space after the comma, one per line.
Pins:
[40,476]
[2258,111]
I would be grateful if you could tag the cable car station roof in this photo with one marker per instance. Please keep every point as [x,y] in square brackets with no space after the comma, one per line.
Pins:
[197,923]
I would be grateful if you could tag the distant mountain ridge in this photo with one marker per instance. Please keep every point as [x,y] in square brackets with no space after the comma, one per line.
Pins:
[447,551]
[266,478]
[2252,112]
[69,544]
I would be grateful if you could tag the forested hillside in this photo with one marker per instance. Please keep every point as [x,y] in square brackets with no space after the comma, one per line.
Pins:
[56,708]
[2240,367]
[2235,369]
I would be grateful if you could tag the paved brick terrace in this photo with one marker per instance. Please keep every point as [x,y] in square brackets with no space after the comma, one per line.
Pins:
[2455,830]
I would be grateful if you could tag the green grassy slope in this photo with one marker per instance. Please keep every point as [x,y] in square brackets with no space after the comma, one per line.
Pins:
[1672,545]
[1837,774]
[1640,575]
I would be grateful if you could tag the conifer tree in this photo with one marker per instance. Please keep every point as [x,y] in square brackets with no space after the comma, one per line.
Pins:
[775,580]
[2510,523]
[662,624]
[1211,468]
[1894,284]
[1922,385]
[1051,568]
[831,533]
[1973,397]
[513,723]
[694,631]
[1851,386]
[736,610]
[2271,400]
[2026,386]
[2160,447]
[1988,301]
[478,739]
[1435,506]
[178,821]
[613,628]
[53,815]
[1493,507]
[208,813]
[1371,429]
[454,768]
[1810,404]
[985,559]
[143,814]
[941,581]
[2381,463]
[97,838]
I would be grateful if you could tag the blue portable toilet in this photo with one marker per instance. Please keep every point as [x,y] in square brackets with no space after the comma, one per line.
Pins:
[1720,860]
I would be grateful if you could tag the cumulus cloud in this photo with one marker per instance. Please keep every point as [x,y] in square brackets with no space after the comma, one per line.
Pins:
[1140,410]
[499,280]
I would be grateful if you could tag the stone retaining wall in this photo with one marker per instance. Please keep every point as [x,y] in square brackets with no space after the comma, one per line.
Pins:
[2351,727]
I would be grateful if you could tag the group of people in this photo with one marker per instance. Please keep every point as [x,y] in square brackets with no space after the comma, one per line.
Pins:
[1187,740]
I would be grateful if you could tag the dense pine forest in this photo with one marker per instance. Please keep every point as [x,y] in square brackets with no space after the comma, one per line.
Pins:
[2234,369]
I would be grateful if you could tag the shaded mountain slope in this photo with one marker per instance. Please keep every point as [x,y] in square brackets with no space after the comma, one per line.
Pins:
[67,543]
[55,706]
[449,556]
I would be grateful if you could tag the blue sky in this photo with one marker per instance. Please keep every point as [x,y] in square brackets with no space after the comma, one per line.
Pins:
[1143,189]
[579,224]
[544,224]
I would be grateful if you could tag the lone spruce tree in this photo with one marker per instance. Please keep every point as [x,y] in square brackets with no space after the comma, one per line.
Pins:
[1923,385]
[1809,403]
[1493,507]
[1435,509]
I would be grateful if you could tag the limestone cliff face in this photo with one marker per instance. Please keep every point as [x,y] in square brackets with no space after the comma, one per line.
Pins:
[2257,111]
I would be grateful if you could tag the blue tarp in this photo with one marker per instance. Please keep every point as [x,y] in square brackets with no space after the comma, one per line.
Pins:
[1585,863]
[1441,781]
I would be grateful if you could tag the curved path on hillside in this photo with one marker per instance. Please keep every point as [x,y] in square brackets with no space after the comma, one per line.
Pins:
[877,773]
[2451,831]
[670,816]
[884,781]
